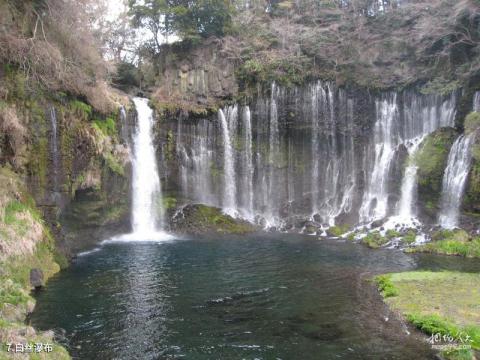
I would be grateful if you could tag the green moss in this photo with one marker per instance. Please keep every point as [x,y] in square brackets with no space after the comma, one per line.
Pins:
[169,203]
[338,230]
[410,237]
[374,240]
[108,126]
[114,164]
[440,86]
[472,122]
[205,219]
[391,234]
[471,200]
[431,159]
[81,109]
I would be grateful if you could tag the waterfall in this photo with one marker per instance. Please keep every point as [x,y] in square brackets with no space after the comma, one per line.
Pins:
[406,122]
[375,203]
[309,153]
[248,169]
[54,150]
[273,158]
[147,210]
[124,125]
[229,185]
[454,179]
[406,209]
[318,95]
[476,101]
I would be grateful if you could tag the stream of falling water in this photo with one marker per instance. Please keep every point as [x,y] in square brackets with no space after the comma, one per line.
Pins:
[454,179]
[147,203]
[301,154]
[54,150]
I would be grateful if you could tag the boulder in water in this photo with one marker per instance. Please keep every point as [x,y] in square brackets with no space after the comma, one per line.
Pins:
[36,278]
[201,219]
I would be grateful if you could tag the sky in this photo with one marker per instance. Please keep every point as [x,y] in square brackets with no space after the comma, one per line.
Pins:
[115,8]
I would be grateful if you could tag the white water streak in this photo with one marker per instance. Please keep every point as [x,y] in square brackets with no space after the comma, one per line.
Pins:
[147,208]
[454,179]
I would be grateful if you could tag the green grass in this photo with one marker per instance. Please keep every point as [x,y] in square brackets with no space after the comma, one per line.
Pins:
[434,324]
[445,303]
[385,286]
[470,249]
[12,293]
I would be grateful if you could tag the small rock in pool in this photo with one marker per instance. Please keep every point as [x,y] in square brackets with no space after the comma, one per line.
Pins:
[36,278]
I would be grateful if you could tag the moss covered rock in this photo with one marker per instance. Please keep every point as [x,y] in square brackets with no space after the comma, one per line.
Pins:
[471,200]
[472,122]
[431,160]
[375,240]
[202,219]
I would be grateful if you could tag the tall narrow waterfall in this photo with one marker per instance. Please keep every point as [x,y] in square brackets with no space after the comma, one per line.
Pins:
[54,150]
[406,213]
[227,122]
[124,125]
[454,179]
[147,208]
[476,101]
[248,169]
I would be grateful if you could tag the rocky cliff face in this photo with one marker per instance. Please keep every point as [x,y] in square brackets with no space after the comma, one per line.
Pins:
[63,149]
[194,79]
[313,155]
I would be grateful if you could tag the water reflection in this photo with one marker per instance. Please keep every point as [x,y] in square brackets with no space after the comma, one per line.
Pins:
[269,297]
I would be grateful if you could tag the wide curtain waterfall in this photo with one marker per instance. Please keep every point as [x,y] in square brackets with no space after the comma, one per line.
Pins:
[319,152]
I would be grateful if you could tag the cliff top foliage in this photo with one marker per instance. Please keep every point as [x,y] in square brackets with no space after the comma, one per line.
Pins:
[52,46]
[373,43]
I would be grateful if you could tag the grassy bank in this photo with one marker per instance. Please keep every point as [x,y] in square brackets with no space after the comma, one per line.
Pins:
[25,244]
[451,242]
[445,303]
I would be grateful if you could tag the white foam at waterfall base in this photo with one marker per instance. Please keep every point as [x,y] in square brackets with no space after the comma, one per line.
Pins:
[147,210]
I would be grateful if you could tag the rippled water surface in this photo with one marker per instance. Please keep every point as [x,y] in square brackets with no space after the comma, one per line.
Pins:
[265,297]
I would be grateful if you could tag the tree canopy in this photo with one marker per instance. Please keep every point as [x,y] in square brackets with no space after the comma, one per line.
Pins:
[186,19]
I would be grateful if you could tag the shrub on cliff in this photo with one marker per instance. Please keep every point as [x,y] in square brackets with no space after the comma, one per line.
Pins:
[50,44]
